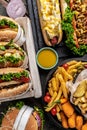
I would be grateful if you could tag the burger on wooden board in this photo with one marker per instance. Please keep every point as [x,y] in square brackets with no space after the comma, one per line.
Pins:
[22,117]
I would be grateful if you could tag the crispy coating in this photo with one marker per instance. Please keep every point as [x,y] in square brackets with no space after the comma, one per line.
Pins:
[64,120]
[67,109]
[71,120]
[84,127]
[79,122]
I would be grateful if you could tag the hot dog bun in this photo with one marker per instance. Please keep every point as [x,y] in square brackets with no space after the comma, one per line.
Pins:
[63,6]
[50,24]
[11,55]
[75,25]
[8,28]
[13,81]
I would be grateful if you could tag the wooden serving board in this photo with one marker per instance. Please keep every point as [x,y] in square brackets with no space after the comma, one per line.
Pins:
[28,46]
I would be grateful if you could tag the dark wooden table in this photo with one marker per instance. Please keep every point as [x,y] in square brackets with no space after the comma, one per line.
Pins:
[39,43]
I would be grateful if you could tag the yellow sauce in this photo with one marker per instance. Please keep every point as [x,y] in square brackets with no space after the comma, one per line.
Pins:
[47,58]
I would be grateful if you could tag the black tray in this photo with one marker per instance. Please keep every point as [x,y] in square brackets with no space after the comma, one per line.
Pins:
[61,49]
[49,76]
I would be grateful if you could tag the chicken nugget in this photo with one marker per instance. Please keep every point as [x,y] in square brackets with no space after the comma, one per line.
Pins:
[79,122]
[67,109]
[64,120]
[71,120]
[84,127]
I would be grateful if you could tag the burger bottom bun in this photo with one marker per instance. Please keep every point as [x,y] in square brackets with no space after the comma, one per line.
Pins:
[7,35]
[17,90]
[10,117]
[9,64]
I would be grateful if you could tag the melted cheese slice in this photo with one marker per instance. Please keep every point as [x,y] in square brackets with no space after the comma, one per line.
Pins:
[50,13]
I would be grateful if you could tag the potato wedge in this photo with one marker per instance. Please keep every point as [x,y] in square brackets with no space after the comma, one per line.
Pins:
[80,91]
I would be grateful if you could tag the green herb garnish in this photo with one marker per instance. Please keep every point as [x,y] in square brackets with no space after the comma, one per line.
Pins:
[2,48]
[11,76]
[9,23]
[11,59]
[19,105]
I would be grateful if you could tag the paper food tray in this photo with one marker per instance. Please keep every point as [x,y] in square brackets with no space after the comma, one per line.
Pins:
[35,84]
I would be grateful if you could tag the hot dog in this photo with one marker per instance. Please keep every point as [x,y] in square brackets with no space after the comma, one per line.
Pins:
[75,25]
[13,81]
[50,21]
[11,55]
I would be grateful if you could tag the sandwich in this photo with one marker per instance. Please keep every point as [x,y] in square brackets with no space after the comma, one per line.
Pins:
[11,55]
[23,118]
[8,28]
[13,81]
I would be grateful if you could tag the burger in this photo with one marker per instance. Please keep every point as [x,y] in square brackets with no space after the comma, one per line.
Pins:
[24,118]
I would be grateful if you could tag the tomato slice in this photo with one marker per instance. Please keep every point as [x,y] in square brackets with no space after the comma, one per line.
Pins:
[4,26]
[1,80]
[65,66]
[47,98]
[25,79]
[22,79]
[53,111]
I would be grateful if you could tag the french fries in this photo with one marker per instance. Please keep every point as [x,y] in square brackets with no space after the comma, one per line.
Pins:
[63,86]
[73,62]
[58,116]
[65,75]
[54,100]
[54,84]
[59,96]
[75,66]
